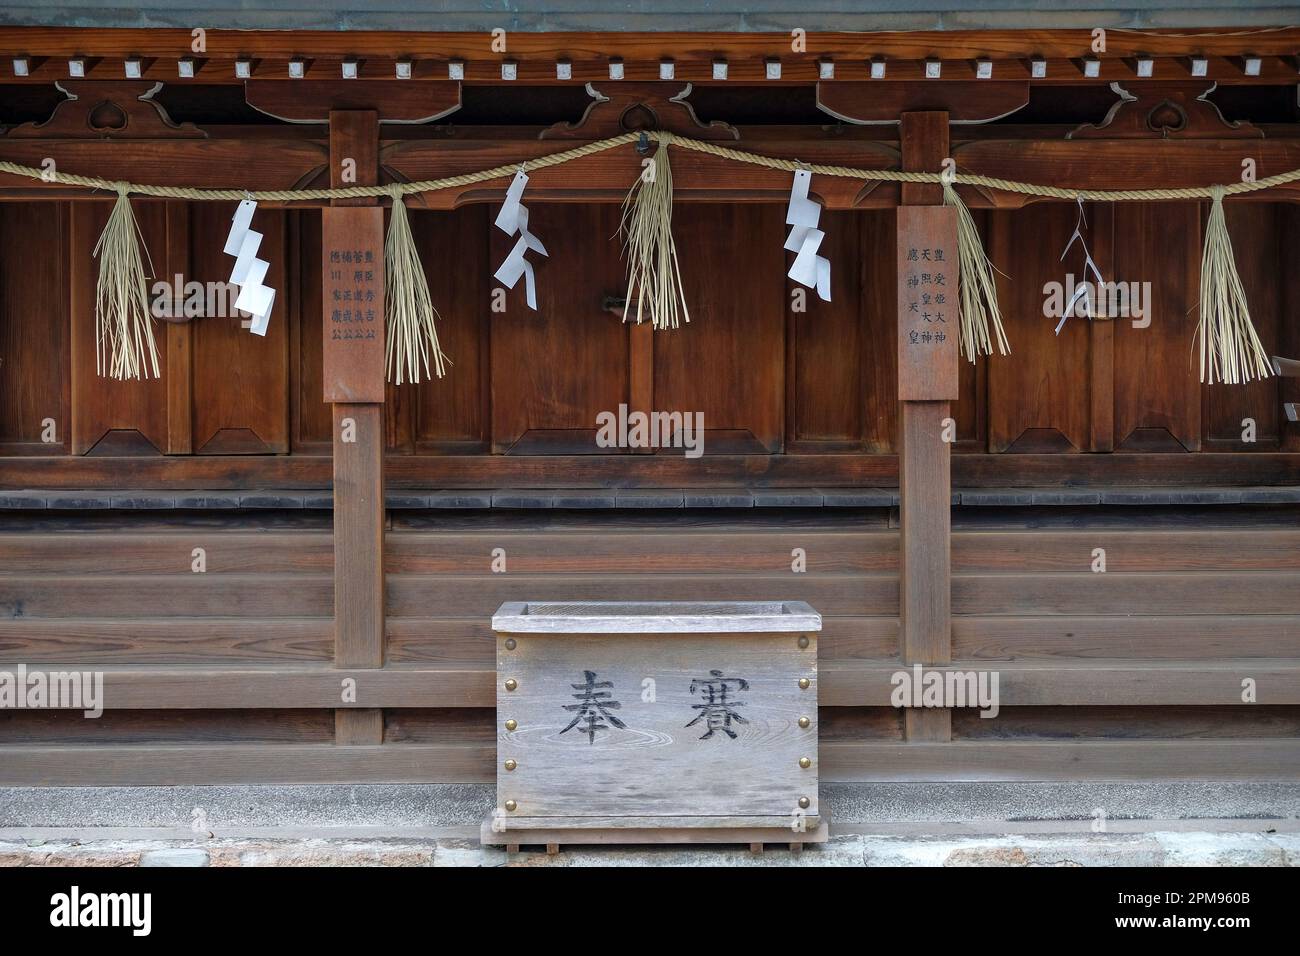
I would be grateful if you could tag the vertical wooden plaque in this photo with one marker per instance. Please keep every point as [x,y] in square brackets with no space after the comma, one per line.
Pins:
[352,267]
[929,309]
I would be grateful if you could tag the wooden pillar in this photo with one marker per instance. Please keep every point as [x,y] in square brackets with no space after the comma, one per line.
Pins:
[352,251]
[924,466]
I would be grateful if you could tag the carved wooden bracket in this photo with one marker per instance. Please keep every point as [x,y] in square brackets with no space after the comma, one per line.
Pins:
[627,107]
[115,109]
[1164,111]
[310,101]
[871,102]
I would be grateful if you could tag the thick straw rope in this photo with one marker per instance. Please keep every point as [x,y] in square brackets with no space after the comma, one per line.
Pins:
[600,146]
[1230,347]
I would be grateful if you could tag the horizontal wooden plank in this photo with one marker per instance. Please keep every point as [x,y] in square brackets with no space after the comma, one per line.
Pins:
[197,765]
[1133,635]
[832,595]
[1117,760]
[1097,683]
[225,552]
[649,44]
[1147,550]
[841,683]
[1246,592]
[217,472]
[618,552]
[166,595]
[232,688]
[86,641]
[469,640]
[1113,760]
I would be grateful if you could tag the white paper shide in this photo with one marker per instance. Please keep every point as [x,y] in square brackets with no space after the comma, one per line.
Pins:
[512,219]
[255,297]
[803,214]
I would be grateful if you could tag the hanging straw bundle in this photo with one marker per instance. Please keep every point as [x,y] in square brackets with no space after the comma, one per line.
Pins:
[412,335]
[1230,350]
[123,324]
[647,229]
[979,292]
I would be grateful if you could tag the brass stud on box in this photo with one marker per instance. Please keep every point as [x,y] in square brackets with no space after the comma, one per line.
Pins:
[804,722]
[803,640]
[511,644]
[511,724]
[805,763]
[511,683]
[511,805]
[804,683]
[510,765]
[804,803]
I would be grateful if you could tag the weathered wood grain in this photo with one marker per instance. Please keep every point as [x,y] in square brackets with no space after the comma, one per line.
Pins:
[656,764]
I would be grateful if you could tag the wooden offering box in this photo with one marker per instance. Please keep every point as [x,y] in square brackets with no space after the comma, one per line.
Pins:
[657,722]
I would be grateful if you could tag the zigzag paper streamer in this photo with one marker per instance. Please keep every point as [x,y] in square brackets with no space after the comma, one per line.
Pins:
[255,297]
[1081,290]
[513,218]
[803,214]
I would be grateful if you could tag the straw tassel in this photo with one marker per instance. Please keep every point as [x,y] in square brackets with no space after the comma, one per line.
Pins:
[124,345]
[412,334]
[647,230]
[979,291]
[1230,350]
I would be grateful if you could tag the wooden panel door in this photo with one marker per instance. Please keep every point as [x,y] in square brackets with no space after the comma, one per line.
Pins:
[241,380]
[555,369]
[1038,395]
[34,329]
[451,414]
[1157,395]
[112,417]
[729,362]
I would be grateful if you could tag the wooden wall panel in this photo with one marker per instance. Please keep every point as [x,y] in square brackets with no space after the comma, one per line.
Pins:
[1289,333]
[1157,391]
[241,380]
[1038,395]
[827,349]
[312,418]
[452,413]
[111,417]
[33,327]
[729,362]
[554,369]
[1259,251]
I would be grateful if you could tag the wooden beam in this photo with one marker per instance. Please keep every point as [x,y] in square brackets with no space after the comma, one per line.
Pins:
[1031,471]
[589,53]
[354,383]
[1247,760]
[925,481]
[841,761]
[840,683]
[214,765]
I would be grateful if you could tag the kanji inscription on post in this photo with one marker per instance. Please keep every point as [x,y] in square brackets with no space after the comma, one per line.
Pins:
[352,273]
[929,308]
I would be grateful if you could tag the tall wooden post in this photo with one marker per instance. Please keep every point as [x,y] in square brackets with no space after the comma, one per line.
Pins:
[352,251]
[927,377]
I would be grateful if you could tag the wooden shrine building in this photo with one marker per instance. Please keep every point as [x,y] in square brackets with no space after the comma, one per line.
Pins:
[285,565]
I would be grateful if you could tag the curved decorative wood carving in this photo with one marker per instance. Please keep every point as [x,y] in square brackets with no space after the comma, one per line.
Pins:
[310,101]
[637,106]
[873,102]
[1164,111]
[97,109]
